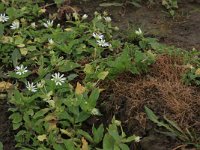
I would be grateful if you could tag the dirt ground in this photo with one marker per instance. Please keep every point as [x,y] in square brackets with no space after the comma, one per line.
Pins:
[183,31]
[6,134]
[128,94]
[160,90]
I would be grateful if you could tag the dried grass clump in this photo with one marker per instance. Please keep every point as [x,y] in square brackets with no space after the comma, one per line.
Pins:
[162,90]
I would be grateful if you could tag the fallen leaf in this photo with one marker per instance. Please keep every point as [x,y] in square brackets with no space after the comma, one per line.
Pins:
[23,51]
[52,121]
[42,137]
[68,132]
[197,72]
[84,144]
[79,89]
[5,86]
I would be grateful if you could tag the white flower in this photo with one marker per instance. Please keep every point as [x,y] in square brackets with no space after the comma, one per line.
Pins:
[95,111]
[103,43]
[21,70]
[15,25]
[3,18]
[85,16]
[75,15]
[51,41]
[98,36]
[99,17]
[137,139]
[48,24]
[138,32]
[33,25]
[41,84]
[58,25]
[31,87]
[107,19]
[58,78]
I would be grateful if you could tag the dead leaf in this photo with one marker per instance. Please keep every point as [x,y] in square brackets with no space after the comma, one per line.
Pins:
[84,144]
[79,89]
[5,86]
[52,121]
[197,72]
[41,138]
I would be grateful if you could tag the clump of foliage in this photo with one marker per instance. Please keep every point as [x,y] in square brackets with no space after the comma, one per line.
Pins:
[173,129]
[170,5]
[57,70]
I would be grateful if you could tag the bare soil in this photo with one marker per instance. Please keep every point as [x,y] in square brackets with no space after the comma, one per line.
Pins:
[182,31]
[6,133]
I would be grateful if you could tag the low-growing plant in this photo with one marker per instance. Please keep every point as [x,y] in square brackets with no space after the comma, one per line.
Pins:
[57,70]
[1,146]
[173,129]
[170,5]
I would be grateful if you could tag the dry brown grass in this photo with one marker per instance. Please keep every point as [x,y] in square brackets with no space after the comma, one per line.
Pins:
[162,90]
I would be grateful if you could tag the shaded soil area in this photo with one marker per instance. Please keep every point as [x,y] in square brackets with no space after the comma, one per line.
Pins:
[6,133]
[182,31]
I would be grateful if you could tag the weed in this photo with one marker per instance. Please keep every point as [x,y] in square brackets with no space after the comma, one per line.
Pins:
[173,128]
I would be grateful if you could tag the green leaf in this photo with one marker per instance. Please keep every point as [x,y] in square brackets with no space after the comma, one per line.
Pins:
[102,75]
[11,12]
[134,3]
[116,147]
[1,30]
[68,66]
[110,4]
[93,97]
[1,146]
[2,7]
[59,2]
[85,134]
[58,147]
[17,125]
[19,40]
[173,124]
[108,142]
[154,118]
[41,113]
[98,133]
[69,144]
[114,134]
[124,147]
[16,117]
[15,57]
[88,69]
[129,139]
[151,115]
[139,56]
[82,117]
[72,77]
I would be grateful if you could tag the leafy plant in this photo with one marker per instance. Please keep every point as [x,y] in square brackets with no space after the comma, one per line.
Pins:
[173,129]
[115,139]
[1,146]
[170,5]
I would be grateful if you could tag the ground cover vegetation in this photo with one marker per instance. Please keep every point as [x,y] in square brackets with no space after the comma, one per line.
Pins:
[59,75]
